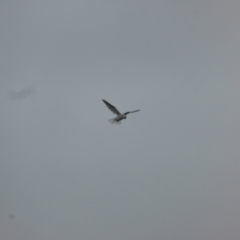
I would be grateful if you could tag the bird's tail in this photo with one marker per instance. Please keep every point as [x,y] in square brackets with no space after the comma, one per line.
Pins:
[114,121]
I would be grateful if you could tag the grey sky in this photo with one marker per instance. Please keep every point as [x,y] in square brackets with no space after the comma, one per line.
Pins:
[168,172]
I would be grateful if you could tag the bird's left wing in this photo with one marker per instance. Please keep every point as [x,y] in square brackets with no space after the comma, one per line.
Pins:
[111,107]
[131,112]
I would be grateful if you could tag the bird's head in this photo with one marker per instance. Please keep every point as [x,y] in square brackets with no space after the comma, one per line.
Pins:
[124,116]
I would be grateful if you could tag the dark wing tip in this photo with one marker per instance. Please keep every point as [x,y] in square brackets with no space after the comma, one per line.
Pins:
[105,101]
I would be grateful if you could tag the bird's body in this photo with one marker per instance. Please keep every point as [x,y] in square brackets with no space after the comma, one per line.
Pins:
[120,116]
[117,119]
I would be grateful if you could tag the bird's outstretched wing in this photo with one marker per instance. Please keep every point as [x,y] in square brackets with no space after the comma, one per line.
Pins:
[111,107]
[126,113]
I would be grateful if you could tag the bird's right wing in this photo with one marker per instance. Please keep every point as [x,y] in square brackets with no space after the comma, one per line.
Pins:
[131,112]
[111,107]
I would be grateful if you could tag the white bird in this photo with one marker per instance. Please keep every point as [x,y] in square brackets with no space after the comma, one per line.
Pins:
[120,116]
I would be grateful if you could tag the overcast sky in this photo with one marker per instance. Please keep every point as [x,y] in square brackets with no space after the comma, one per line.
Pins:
[170,171]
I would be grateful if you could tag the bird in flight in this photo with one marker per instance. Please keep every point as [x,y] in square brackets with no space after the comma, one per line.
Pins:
[120,116]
